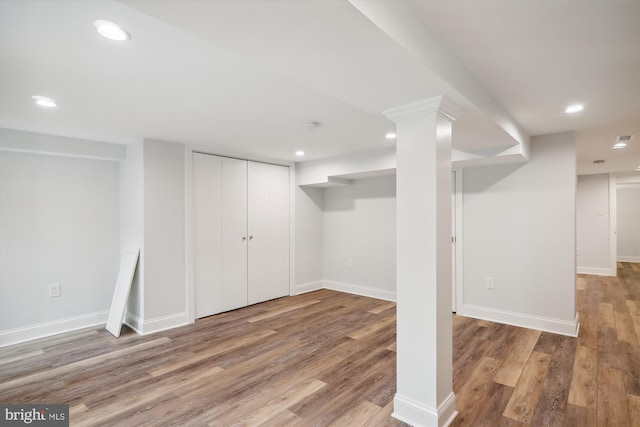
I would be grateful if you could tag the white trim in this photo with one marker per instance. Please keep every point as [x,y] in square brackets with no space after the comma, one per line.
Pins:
[447,410]
[360,290]
[622,258]
[556,326]
[349,288]
[437,104]
[303,288]
[596,271]
[47,329]
[163,323]
[134,322]
[419,415]
[19,141]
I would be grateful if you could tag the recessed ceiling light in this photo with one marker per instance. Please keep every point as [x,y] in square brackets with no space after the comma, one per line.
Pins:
[574,108]
[390,135]
[44,101]
[110,30]
[619,145]
[299,153]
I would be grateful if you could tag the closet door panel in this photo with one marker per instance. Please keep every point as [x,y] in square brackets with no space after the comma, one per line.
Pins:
[279,230]
[207,234]
[258,221]
[268,218]
[234,233]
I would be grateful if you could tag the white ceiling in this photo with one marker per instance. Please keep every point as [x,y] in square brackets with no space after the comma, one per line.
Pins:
[244,76]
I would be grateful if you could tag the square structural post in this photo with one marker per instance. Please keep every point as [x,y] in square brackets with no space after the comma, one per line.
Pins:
[423,213]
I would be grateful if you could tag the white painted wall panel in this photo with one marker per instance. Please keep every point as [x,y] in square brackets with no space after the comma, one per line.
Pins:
[519,227]
[592,224]
[309,246]
[58,224]
[359,225]
[207,230]
[628,212]
[164,231]
[132,221]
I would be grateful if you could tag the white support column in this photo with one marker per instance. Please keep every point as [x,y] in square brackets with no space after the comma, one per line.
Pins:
[423,204]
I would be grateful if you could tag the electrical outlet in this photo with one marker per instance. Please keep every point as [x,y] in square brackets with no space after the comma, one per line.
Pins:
[349,263]
[578,251]
[491,282]
[54,290]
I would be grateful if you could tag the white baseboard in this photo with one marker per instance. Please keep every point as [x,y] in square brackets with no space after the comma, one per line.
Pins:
[55,327]
[622,258]
[416,414]
[145,327]
[134,322]
[303,288]
[595,271]
[360,290]
[556,326]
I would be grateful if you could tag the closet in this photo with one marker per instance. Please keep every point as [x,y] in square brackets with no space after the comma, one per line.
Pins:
[241,232]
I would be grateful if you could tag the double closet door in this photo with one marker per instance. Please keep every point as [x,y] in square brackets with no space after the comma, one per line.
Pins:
[241,233]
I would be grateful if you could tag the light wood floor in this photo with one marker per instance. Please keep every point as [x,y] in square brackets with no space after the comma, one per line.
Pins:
[327,358]
[507,376]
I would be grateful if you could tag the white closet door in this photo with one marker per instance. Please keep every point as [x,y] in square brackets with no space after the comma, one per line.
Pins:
[268,219]
[234,233]
[207,234]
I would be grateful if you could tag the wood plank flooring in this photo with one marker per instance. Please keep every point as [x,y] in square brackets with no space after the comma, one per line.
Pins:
[508,376]
[328,359]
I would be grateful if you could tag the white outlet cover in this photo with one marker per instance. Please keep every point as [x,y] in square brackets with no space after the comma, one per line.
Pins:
[54,290]
[491,282]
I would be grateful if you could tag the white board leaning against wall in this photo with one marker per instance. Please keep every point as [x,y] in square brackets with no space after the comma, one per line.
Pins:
[121,293]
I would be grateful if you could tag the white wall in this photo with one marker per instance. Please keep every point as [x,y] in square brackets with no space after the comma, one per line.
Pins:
[359,225]
[320,172]
[593,225]
[628,222]
[58,224]
[519,228]
[308,239]
[40,143]
[132,222]
[165,286]
[154,219]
